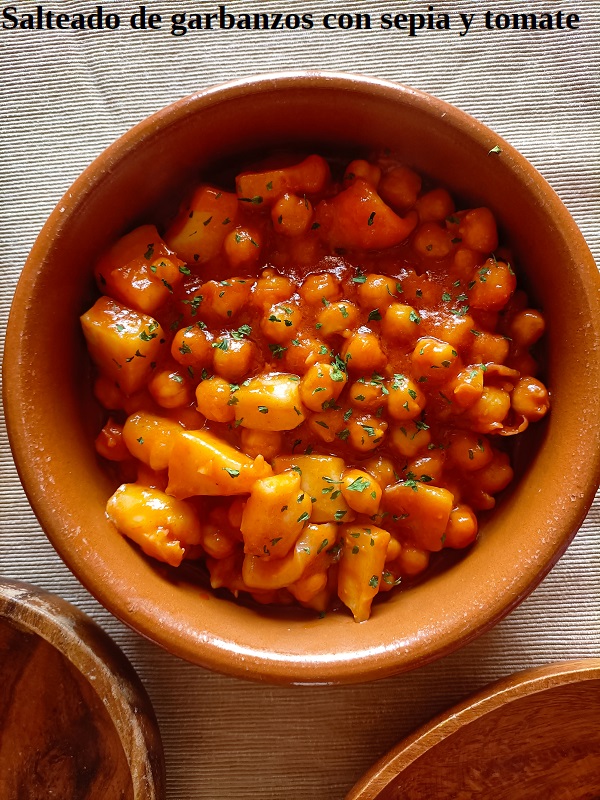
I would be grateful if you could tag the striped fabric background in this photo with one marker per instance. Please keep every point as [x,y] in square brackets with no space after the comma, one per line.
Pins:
[66,95]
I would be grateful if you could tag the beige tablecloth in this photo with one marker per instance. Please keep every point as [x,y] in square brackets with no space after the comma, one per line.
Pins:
[66,95]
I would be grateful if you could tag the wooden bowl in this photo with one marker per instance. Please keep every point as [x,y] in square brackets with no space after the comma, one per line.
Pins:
[52,441]
[534,734]
[76,721]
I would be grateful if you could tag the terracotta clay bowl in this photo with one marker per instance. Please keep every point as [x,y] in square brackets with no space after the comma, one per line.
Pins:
[530,735]
[49,403]
[76,721]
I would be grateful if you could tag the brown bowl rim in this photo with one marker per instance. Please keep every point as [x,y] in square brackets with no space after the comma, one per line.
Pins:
[106,669]
[213,652]
[499,694]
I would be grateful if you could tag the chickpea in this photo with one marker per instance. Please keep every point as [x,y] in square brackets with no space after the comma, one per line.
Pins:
[381,468]
[107,393]
[233,358]
[524,363]
[434,206]
[526,327]
[405,400]
[412,560]
[478,231]
[337,318]
[281,322]
[362,352]
[110,443]
[518,302]
[496,475]
[171,388]
[393,553]
[462,528]
[399,188]
[235,513]
[224,299]
[427,292]
[141,400]
[401,322]
[191,347]
[367,395]
[377,292]
[468,451]
[270,289]
[320,384]
[327,424]
[366,433]
[431,240]
[488,413]
[429,467]
[465,262]
[217,541]
[359,168]
[493,285]
[530,398]
[487,348]
[434,358]
[480,500]
[307,588]
[265,443]
[303,353]
[292,215]
[361,491]
[455,329]
[242,247]
[453,485]
[319,287]
[215,399]
[410,438]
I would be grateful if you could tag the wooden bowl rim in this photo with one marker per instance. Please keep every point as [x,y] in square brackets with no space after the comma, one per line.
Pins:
[500,694]
[105,668]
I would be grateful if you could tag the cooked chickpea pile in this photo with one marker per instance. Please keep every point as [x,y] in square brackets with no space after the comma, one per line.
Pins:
[309,379]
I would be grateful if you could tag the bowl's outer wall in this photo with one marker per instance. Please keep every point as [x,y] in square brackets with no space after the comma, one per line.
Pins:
[48,403]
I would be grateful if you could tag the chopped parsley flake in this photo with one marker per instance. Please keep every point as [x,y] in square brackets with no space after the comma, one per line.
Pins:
[358,485]
[277,350]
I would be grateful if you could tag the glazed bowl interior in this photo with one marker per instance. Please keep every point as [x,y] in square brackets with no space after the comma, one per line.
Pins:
[52,418]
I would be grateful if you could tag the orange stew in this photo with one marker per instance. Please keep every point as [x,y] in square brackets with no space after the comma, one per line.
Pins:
[310,378]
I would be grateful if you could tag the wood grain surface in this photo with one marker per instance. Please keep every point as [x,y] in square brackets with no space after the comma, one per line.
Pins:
[534,735]
[75,721]
[57,738]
